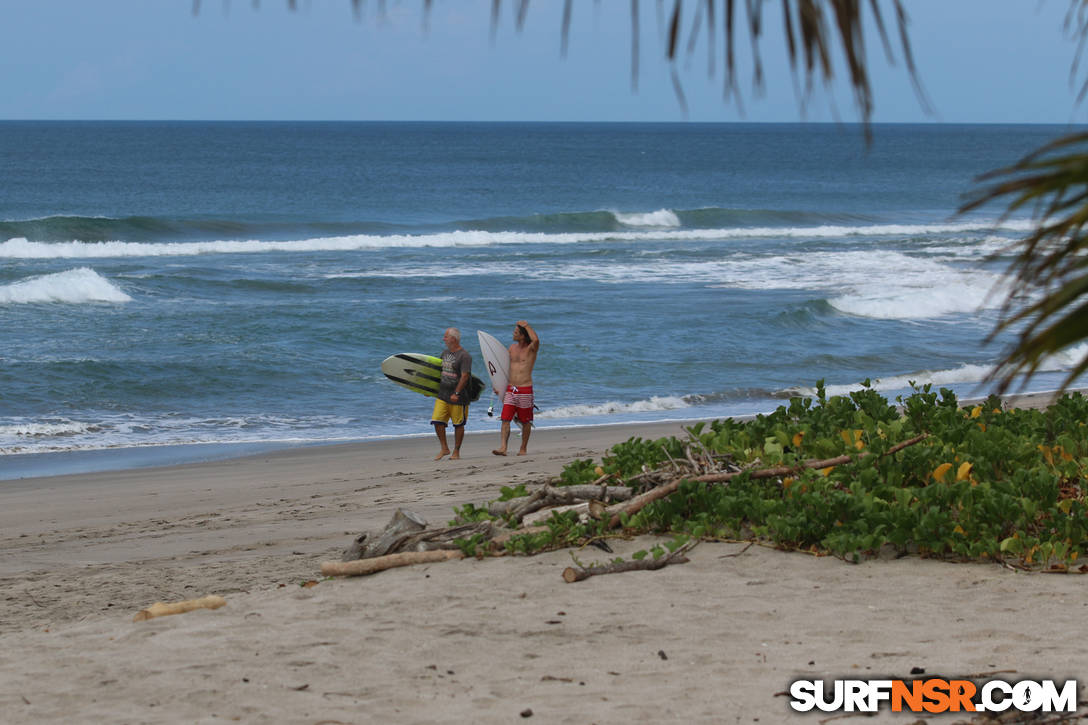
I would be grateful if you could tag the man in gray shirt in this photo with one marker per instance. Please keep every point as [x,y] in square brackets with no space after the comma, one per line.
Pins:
[452,400]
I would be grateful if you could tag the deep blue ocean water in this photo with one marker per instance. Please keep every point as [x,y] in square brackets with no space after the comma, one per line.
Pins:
[238,284]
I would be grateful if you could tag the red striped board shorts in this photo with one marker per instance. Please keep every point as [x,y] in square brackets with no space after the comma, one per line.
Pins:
[518,399]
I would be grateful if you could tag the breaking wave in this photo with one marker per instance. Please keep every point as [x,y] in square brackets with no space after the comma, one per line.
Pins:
[74,286]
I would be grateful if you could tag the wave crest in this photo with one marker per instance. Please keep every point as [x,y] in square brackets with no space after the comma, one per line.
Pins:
[22,248]
[659,218]
[75,286]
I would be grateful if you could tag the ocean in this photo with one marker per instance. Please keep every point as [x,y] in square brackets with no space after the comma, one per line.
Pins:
[174,291]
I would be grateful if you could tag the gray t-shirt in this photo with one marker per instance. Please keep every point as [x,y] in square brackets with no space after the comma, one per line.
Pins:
[454,365]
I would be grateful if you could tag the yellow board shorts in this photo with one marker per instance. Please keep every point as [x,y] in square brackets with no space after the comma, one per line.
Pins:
[444,411]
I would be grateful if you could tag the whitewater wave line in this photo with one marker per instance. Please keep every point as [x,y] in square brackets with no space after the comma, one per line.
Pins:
[966,374]
[22,248]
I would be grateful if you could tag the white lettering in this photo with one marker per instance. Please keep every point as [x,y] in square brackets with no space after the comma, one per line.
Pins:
[803,693]
[1064,701]
[854,696]
[995,705]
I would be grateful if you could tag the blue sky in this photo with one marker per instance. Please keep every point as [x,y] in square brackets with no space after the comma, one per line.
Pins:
[986,61]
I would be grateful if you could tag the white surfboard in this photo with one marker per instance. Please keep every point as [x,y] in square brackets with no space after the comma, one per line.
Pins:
[496,360]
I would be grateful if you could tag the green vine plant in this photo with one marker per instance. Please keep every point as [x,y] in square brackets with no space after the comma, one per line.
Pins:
[986,484]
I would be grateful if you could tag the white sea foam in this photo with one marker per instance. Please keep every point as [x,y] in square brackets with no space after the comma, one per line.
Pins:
[45,429]
[1065,360]
[947,292]
[74,286]
[652,405]
[962,375]
[966,374]
[53,435]
[878,283]
[21,248]
[659,218]
[874,283]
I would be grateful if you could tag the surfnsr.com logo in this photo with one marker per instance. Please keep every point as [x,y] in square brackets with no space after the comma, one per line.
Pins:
[933,695]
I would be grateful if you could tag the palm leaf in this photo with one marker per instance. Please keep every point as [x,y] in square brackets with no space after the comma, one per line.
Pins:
[1049,263]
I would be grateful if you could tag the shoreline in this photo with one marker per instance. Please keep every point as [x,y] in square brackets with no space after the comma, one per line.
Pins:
[118,460]
[472,640]
[32,466]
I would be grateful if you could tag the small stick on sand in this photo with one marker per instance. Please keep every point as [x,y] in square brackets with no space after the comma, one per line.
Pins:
[162,609]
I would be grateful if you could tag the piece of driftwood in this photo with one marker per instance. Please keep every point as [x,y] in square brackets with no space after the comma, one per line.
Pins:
[639,502]
[403,524]
[550,496]
[399,536]
[572,574]
[162,609]
[446,537]
[582,509]
[362,567]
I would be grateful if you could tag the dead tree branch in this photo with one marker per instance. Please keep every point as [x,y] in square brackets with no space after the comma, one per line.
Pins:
[572,574]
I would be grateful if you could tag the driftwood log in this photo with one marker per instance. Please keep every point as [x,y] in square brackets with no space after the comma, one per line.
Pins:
[572,574]
[582,509]
[362,567]
[162,609]
[407,531]
[366,546]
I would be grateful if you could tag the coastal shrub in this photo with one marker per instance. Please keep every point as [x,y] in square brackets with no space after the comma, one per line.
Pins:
[986,482]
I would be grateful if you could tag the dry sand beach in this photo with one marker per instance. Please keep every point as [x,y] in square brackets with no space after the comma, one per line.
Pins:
[717,640]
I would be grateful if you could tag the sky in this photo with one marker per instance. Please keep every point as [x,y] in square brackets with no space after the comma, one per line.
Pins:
[980,61]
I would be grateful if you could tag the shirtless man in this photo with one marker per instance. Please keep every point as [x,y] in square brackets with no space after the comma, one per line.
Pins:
[519,392]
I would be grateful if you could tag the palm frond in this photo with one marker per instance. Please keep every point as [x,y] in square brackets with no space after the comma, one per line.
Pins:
[1048,296]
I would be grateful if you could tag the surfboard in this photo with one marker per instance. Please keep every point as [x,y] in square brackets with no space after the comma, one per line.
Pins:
[415,371]
[496,360]
[422,374]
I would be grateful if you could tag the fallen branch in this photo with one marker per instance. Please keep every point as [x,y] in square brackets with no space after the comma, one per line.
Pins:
[363,567]
[162,609]
[571,575]
[446,538]
[639,502]
[581,509]
[548,496]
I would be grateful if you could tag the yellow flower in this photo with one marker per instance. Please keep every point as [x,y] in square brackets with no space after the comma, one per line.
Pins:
[940,471]
[853,438]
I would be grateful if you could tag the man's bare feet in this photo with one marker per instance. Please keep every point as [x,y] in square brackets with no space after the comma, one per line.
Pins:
[441,455]
[523,453]
[499,452]
[456,456]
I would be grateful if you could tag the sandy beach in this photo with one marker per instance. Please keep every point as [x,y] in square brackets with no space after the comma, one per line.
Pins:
[718,639]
